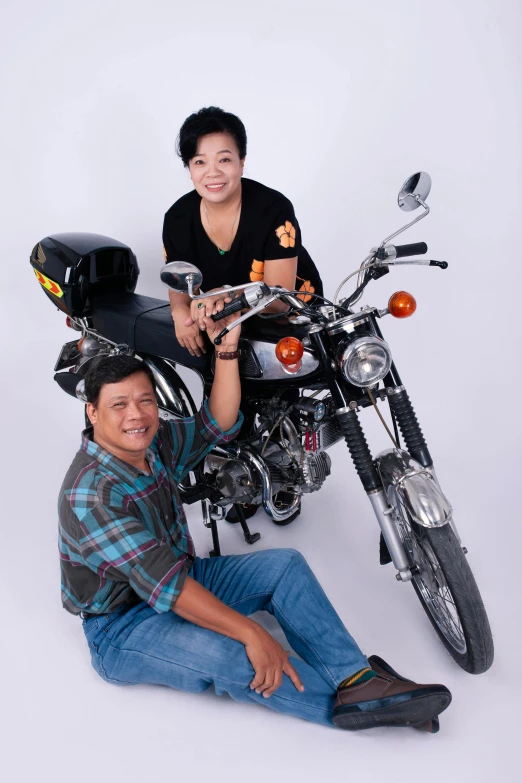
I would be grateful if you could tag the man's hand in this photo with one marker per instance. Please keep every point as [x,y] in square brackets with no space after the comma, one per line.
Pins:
[269,662]
[198,605]
[230,340]
[188,333]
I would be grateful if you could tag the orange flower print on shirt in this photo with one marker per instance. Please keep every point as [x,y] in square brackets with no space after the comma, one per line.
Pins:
[307,289]
[286,235]
[256,273]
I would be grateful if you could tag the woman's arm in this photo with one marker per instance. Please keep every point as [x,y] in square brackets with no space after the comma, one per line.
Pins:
[281,271]
[188,337]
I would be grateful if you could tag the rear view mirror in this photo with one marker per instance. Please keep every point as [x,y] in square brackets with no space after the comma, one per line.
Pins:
[181,277]
[415,191]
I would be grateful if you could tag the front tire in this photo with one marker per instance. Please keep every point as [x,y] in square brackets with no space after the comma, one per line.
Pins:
[449,595]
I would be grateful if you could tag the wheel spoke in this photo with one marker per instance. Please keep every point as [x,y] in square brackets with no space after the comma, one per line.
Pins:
[448,620]
[438,599]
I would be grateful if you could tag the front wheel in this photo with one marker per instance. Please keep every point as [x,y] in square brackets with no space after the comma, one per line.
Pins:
[449,594]
[450,597]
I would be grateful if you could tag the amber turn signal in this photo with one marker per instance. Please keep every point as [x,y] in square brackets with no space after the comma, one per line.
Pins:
[289,350]
[402,304]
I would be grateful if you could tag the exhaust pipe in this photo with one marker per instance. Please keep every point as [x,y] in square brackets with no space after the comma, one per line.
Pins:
[269,506]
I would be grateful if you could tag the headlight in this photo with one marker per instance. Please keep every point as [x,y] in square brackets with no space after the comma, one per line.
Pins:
[366,361]
[319,411]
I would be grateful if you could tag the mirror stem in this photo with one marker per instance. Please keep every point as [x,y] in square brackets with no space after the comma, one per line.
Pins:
[408,225]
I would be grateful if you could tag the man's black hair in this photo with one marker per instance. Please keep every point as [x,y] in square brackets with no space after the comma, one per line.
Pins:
[205,121]
[112,369]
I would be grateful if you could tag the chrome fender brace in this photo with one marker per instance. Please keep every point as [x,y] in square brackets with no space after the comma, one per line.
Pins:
[406,481]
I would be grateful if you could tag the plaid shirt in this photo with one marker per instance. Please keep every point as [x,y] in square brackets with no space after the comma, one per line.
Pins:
[123,532]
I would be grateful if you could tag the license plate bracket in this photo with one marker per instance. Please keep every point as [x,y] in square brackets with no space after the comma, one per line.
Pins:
[68,357]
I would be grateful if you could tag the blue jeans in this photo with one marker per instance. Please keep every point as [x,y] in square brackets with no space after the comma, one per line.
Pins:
[138,645]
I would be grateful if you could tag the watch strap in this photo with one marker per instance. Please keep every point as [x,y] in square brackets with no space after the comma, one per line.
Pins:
[227,354]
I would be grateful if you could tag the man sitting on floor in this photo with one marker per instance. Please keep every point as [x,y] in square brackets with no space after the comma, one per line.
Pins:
[153,612]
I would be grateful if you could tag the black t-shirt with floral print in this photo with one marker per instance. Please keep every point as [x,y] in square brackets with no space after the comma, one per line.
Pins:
[267,230]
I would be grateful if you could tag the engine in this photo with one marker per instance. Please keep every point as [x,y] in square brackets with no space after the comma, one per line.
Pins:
[293,462]
[315,470]
[297,465]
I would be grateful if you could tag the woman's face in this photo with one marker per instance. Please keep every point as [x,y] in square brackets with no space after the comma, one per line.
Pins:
[216,168]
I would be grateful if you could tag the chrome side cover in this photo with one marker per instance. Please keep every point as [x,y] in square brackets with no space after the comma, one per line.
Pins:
[272,367]
[414,486]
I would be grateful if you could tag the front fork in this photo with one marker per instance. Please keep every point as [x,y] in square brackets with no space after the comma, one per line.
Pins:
[371,481]
[402,409]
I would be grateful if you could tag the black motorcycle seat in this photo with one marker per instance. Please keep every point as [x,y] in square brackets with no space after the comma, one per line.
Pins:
[145,325]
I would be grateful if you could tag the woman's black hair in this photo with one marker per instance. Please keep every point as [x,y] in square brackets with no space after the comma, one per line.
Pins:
[112,369]
[205,121]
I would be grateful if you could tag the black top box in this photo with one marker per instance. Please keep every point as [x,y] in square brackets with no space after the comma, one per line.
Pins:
[73,268]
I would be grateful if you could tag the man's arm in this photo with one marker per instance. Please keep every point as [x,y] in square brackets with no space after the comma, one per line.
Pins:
[199,606]
[219,420]
[226,390]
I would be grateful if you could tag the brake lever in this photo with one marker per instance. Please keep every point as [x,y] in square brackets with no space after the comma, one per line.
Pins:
[383,264]
[245,287]
[260,306]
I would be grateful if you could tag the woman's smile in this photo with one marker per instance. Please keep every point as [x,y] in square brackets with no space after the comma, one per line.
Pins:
[216,169]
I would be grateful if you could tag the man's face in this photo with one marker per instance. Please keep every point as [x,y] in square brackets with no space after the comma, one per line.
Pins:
[125,420]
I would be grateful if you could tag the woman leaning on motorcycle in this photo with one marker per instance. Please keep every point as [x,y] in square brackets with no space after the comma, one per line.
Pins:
[232,228]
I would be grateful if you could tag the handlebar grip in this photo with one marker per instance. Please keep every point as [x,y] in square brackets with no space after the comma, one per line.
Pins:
[415,249]
[233,307]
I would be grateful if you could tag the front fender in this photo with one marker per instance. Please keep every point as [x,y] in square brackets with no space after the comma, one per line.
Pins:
[406,481]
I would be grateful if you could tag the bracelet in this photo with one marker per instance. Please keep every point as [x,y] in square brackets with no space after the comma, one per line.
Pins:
[227,354]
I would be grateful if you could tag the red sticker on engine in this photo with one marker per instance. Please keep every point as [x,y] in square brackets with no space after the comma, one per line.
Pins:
[48,284]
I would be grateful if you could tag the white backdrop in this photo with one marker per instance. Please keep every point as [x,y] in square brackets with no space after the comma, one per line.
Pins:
[342,101]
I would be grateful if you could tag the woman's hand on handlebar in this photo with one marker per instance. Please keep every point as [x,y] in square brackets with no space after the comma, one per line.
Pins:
[188,333]
[206,307]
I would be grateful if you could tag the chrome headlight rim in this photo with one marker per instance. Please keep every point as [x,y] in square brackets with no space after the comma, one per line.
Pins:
[356,345]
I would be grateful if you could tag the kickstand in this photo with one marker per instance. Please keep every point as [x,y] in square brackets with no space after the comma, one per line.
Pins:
[216,552]
[250,538]
[209,521]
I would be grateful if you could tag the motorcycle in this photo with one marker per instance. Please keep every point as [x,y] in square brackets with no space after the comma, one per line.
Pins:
[304,382]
